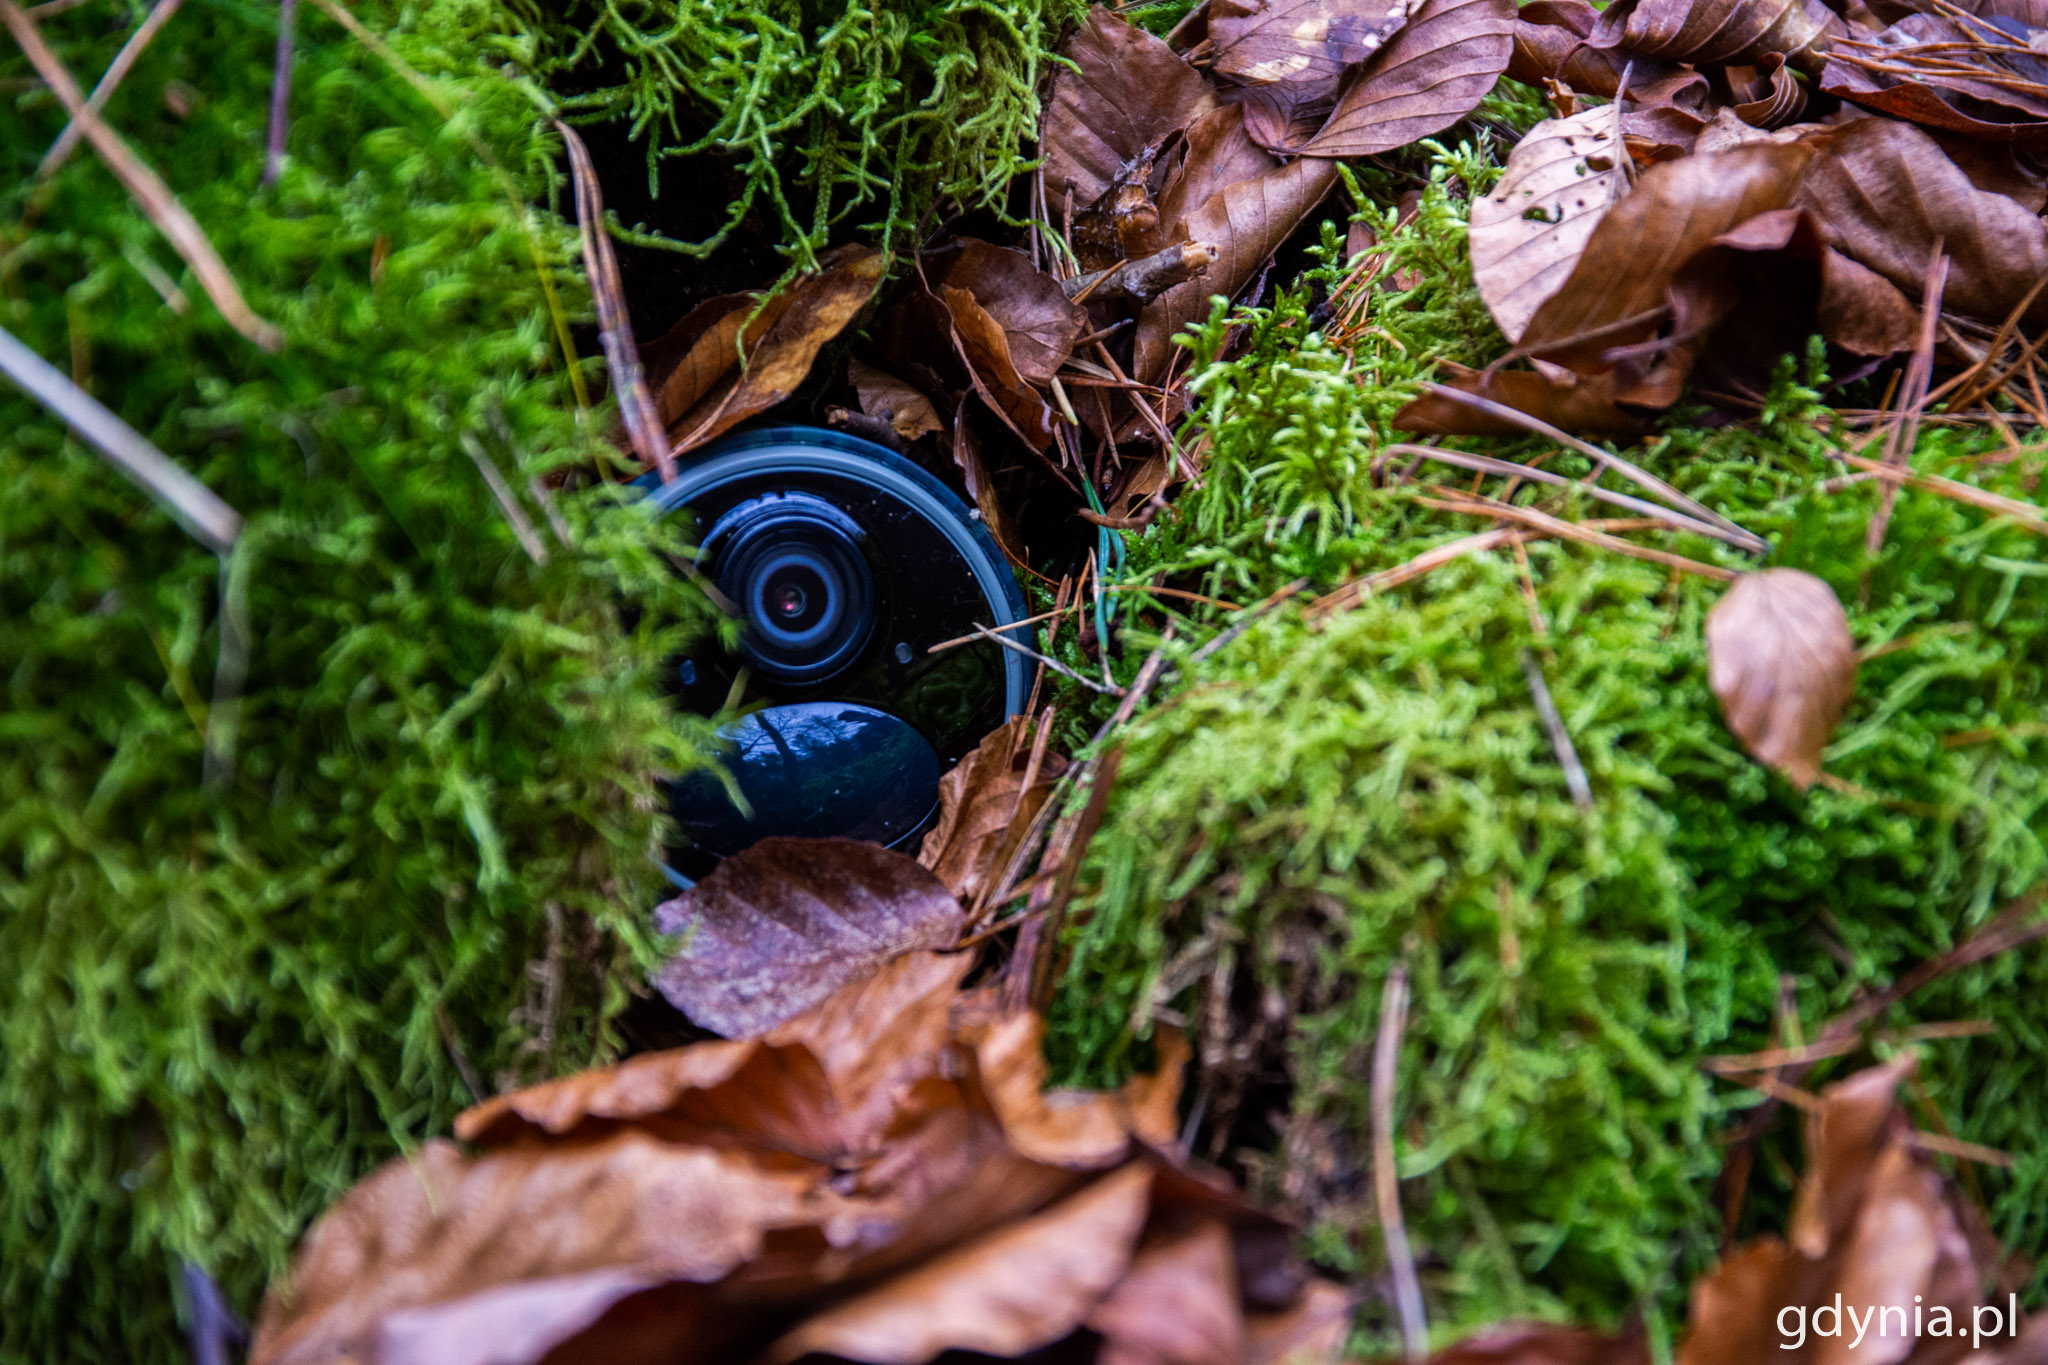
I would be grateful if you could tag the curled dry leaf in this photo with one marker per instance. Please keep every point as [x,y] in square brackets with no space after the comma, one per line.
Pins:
[1300,42]
[1082,1129]
[1125,91]
[1011,1291]
[985,809]
[1178,1305]
[1964,76]
[1550,45]
[1557,396]
[1618,293]
[777,928]
[1528,234]
[817,308]
[1782,662]
[985,349]
[1886,194]
[1427,77]
[1706,32]
[884,396]
[1873,1222]
[1039,322]
[1245,219]
[419,1247]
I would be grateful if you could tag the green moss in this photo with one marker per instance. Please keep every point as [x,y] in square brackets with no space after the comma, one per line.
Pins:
[810,113]
[1310,806]
[225,1002]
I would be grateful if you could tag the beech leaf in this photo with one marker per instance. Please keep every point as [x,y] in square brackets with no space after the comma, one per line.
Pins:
[1707,32]
[1178,1305]
[777,928]
[1782,662]
[1125,90]
[1039,322]
[903,407]
[1008,1292]
[1246,220]
[1427,77]
[813,310]
[1886,194]
[984,808]
[1262,42]
[1528,234]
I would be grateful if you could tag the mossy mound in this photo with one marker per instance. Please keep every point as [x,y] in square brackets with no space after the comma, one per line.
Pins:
[814,115]
[1312,805]
[226,999]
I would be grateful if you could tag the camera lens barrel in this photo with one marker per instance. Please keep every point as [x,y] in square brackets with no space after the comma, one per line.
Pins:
[856,576]
[794,566]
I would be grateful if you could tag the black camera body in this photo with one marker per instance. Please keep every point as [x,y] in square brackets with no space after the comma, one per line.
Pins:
[846,563]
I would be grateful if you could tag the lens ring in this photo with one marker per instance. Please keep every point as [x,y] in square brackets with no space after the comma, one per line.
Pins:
[794,566]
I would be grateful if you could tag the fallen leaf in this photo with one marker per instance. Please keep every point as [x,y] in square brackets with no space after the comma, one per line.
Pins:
[1965,77]
[777,928]
[966,450]
[690,359]
[984,809]
[1775,97]
[1550,45]
[1177,1305]
[1039,322]
[1886,195]
[1531,230]
[1562,399]
[1246,220]
[1706,32]
[986,350]
[1861,311]
[579,1227]
[818,308]
[885,396]
[1263,42]
[1011,1291]
[1125,90]
[1427,77]
[1081,1129]
[1312,1332]
[1618,293]
[1783,664]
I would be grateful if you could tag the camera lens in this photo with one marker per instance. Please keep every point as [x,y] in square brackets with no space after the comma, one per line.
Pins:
[794,566]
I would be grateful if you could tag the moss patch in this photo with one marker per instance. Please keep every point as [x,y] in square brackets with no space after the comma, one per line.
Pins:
[226,1002]
[1310,806]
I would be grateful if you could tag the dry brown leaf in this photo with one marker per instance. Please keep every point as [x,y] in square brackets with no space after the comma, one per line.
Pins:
[1011,1291]
[1941,72]
[1560,398]
[1550,44]
[1528,234]
[814,309]
[984,809]
[1782,662]
[1125,91]
[1861,311]
[777,928]
[986,350]
[884,396]
[1245,219]
[1177,1305]
[1706,32]
[1300,42]
[1886,195]
[1427,77]
[1039,322]
[584,1226]
[1312,1332]
[1082,1129]
[1618,293]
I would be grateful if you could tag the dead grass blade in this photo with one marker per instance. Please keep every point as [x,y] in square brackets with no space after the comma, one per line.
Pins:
[1606,459]
[1486,464]
[1358,589]
[170,216]
[117,71]
[1386,1056]
[615,328]
[1912,398]
[205,517]
[1571,530]
[2025,513]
